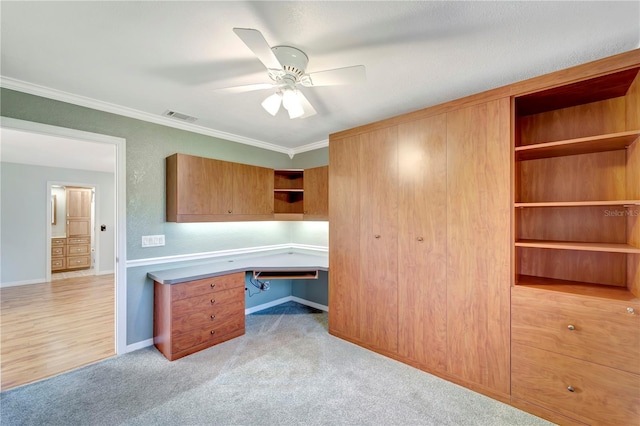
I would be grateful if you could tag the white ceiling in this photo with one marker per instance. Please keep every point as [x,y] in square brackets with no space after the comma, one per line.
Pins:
[142,58]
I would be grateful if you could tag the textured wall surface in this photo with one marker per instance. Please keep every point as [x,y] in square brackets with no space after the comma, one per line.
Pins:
[147,147]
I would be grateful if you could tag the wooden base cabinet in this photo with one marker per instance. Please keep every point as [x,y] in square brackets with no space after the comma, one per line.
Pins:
[195,315]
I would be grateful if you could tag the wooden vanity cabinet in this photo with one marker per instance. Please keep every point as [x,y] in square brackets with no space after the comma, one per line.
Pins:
[195,315]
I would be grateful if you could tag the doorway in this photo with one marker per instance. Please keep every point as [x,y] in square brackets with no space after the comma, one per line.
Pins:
[119,211]
[73,239]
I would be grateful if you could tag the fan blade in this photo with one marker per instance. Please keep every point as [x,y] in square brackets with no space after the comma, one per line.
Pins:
[258,45]
[306,105]
[246,88]
[348,75]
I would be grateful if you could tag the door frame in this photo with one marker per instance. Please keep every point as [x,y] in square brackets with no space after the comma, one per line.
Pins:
[120,178]
[95,239]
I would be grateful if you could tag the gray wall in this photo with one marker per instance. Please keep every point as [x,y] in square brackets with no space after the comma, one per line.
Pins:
[147,146]
[23,230]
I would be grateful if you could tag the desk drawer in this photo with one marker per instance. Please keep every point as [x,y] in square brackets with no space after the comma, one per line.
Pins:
[595,330]
[207,334]
[78,250]
[211,316]
[58,241]
[207,285]
[58,263]
[205,302]
[76,262]
[601,395]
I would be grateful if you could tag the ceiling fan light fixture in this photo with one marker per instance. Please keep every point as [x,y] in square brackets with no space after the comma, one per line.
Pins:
[292,104]
[272,103]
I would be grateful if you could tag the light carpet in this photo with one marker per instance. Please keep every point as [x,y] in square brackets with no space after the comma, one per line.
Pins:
[286,370]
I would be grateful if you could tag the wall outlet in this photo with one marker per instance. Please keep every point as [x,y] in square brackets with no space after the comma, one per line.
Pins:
[152,240]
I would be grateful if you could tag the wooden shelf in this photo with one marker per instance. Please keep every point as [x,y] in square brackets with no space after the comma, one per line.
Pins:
[577,287]
[288,190]
[569,245]
[580,203]
[601,143]
[286,275]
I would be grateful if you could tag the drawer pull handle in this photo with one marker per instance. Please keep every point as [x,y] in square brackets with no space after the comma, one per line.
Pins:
[213,332]
[213,285]
[213,301]
[631,311]
[420,239]
[377,236]
[571,327]
[213,317]
[571,389]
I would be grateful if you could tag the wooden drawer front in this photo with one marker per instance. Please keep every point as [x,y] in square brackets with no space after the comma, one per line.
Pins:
[58,263]
[57,251]
[211,316]
[78,262]
[79,240]
[211,334]
[601,395]
[603,332]
[205,302]
[58,241]
[80,249]
[207,285]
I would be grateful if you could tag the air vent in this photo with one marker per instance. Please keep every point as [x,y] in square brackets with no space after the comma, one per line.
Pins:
[179,116]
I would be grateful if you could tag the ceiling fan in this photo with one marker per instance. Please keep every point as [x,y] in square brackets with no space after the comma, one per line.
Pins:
[286,66]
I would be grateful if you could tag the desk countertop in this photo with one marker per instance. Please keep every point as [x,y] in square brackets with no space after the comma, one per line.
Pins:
[290,261]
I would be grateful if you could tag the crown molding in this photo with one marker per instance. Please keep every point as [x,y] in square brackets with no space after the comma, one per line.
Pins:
[59,95]
[309,147]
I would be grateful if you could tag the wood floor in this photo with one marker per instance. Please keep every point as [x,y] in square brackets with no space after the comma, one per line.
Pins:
[54,327]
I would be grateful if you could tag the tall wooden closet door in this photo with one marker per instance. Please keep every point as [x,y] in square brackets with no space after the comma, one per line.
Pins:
[478,244]
[78,211]
[344,238]
[422,241]
[378,239]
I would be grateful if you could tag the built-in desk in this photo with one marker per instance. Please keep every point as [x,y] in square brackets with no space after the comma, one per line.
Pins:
[196,307]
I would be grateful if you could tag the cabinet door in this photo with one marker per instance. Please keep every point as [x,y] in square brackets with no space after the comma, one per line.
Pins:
[344,235]
[252,190]
[478,244]
[78,211]
[198,186]
[379,238]
[316,193]
[422,241]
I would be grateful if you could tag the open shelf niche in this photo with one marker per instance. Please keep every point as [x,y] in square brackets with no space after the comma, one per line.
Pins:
[577,187]
[288,193]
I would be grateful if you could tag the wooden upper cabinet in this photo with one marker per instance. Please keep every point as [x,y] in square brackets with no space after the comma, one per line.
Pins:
[316,193]
[252,190]
[207,190]
[198,188]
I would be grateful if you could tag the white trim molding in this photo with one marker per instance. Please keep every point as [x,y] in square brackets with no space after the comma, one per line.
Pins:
[59,95]
[222,253]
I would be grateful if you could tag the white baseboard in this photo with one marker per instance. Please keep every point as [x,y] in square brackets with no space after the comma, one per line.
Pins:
[110,271]
[309,303]
[139,345]
[26,282]
[267,305]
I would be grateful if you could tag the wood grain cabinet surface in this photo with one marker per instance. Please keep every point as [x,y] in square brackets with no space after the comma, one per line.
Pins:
[195,315]
[494,241]
[575,320]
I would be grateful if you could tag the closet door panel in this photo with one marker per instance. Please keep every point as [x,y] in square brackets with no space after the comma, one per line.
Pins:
[344,237]
[478,244]
[422,241]
[378,238]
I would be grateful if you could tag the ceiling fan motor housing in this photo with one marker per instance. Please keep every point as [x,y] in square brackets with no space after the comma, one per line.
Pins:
[294,61]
